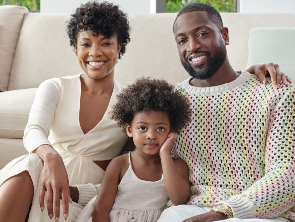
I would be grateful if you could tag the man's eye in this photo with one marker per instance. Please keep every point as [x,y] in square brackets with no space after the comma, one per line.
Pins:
[181,42]
[202,34]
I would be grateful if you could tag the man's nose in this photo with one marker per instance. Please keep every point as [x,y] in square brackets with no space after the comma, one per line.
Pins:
[193,45]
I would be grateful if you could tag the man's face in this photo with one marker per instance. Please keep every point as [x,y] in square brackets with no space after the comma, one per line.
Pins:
[200,43]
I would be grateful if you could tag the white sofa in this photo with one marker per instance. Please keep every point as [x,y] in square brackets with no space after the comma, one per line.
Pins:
[35,47]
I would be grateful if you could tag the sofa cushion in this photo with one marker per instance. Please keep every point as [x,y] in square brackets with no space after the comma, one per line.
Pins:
[14,112]
[11,18]
[275,45]
[43,51]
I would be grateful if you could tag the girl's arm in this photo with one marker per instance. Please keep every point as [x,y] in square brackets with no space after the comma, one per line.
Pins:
[271,69]
[175,172]
[108,190]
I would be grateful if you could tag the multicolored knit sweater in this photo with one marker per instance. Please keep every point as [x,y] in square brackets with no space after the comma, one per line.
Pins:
[240,147]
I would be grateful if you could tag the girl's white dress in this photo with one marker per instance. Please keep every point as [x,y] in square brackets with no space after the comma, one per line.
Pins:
[136,200]
[54,120]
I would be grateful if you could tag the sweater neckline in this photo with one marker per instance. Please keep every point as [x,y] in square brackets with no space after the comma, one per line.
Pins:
[241,79]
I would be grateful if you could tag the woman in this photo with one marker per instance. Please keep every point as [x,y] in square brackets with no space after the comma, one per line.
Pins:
[69,136]
[68,126]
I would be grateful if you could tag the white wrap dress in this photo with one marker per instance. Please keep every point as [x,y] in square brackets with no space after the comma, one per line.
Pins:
[54,120]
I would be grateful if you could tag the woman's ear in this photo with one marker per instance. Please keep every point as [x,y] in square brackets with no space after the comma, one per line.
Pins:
[128,130]
[119,47]
[75,49]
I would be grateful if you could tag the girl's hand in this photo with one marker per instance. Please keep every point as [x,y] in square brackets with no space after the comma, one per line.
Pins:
[272,70]
[169,143]
[55,186]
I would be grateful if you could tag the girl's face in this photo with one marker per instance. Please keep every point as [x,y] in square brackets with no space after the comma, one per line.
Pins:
[149,131]
[97,55]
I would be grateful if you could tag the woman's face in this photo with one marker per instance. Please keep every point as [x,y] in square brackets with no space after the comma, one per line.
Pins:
[97,55]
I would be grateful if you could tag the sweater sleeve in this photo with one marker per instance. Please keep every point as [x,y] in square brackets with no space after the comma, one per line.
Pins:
[87,192]
[41,115]
[273,195]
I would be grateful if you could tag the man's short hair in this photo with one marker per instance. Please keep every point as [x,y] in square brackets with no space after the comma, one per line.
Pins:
[213,14]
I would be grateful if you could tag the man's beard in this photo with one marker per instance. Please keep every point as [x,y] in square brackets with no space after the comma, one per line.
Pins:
[213,64]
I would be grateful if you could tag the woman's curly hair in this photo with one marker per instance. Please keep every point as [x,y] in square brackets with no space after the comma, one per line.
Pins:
[100,18]
[148,94]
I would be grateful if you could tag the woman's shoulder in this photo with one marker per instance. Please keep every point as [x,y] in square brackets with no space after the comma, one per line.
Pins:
[60,81]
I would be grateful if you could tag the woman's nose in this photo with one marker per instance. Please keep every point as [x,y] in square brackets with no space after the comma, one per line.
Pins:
[95,51]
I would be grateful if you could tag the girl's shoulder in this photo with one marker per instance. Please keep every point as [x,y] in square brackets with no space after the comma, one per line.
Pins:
[122,160]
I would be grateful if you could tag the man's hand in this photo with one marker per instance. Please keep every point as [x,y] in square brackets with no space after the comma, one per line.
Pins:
[207,217]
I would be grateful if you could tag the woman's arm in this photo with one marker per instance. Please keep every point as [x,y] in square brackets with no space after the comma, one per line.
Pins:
[272,70]
[175,172]
[108,190]
[54,179]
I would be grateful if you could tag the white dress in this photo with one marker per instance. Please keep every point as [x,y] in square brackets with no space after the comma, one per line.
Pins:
[54,120]
[136,200]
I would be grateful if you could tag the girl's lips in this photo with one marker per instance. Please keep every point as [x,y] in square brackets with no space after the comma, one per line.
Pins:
[150,146]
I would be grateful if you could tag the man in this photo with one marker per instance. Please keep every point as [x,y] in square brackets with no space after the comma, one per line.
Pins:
[240,144]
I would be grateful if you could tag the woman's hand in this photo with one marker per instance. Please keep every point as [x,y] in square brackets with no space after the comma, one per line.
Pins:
[272,70]
[54,183]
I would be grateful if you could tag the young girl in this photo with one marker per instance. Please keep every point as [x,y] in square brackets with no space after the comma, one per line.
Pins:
[137,185]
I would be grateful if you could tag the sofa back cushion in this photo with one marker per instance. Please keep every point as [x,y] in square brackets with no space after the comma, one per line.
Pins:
[43,51]
[275,45]
[11,18]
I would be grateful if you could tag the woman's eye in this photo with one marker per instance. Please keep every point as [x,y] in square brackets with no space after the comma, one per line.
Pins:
[107,43]
[85,45]
[161,129]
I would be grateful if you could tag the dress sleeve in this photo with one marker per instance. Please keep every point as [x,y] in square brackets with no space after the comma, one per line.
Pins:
[273,194]
[41,115]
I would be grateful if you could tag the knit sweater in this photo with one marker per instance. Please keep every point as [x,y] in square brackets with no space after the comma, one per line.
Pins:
[240,147]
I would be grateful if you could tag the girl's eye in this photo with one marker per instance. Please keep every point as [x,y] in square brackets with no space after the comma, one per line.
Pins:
[142,128]
[161,129]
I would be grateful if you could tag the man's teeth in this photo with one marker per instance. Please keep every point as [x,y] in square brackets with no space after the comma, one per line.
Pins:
[197,58]
[95,63]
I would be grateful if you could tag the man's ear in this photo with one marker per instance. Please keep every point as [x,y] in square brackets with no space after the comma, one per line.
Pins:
[128,130]
[225,36]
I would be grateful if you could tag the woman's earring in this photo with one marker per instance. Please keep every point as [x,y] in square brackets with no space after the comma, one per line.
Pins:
[226,42]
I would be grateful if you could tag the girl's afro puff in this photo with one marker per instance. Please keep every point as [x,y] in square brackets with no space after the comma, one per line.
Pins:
[148,94]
